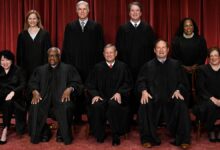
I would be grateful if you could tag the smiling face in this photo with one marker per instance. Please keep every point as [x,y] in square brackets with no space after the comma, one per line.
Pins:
[32,20]
[214,58]
[161,49]
[135,13]
[53,57]
[5,63]
[188,27]
[110,54]
[82,10]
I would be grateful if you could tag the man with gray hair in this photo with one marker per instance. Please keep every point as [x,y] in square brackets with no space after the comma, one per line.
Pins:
[53,86]
[109,85]
[82,45]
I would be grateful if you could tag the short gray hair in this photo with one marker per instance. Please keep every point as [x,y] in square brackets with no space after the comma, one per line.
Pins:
[84,3]
[54,49]
[110,45]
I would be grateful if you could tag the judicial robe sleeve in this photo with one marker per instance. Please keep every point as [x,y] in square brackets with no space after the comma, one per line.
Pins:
[34,82]
[200,85]
[203,52]
[141,79]
[66,42]
[46,46]
[91,84]
[20,47]
[74,80]
[21,81]
[127,83]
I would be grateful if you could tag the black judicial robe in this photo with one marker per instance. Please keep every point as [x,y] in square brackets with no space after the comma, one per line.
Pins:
[207,85]
[13,81]
[135,45]
[83,49]
[161,80]
[32,53]
[189,51]
[51,83]
[105,82]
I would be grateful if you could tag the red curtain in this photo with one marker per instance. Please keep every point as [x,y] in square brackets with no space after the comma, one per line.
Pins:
[163,15]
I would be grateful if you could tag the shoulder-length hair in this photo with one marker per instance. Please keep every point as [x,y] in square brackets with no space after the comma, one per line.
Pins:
[39,24]
[180,30]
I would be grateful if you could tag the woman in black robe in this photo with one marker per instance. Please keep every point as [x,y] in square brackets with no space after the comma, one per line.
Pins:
[12,83]
[189,48]
[32,44]
[208,88]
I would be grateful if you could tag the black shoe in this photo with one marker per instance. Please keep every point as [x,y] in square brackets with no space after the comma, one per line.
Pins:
[212,137]
[100,140]
[3,142]
[45,138]
[116,141]
[59,137]
[174,143]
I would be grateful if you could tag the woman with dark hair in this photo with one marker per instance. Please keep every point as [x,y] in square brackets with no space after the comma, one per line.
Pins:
[33,43]
[208,89]
[12,83]
[189,48]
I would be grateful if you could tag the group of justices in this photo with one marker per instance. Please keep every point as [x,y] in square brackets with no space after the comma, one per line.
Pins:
[114,90]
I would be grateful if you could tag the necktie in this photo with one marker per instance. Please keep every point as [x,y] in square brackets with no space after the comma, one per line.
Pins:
[82,25]
[135,25]
[110,66]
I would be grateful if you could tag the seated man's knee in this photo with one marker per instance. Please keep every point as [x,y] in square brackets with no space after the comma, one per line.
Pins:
[113,104]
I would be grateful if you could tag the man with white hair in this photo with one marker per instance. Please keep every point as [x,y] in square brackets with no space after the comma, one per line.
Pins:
[53,86]
[83,44]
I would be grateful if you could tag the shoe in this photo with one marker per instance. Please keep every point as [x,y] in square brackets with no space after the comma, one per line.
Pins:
[59,139]
[184,146]
[45,138]
[147,145]
[116,141]
[100,140]
[174,143]
[217,136]
[3,142]
[212,137]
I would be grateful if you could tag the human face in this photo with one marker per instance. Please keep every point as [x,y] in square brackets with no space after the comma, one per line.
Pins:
[110,54]
[135,13]
[53,57]
[188,27]
[214,58]
[5,63]
[82,11]
[32,20]
[161,50]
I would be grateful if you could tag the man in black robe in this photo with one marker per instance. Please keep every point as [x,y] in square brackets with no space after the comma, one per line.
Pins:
[82,46]
[109,85]
[135,43]
[53,86]
[164,89]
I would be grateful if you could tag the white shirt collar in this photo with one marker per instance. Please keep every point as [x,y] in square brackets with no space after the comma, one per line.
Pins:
[133,23]
[85,21]
[110,63]
[162,60]
[188,36]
